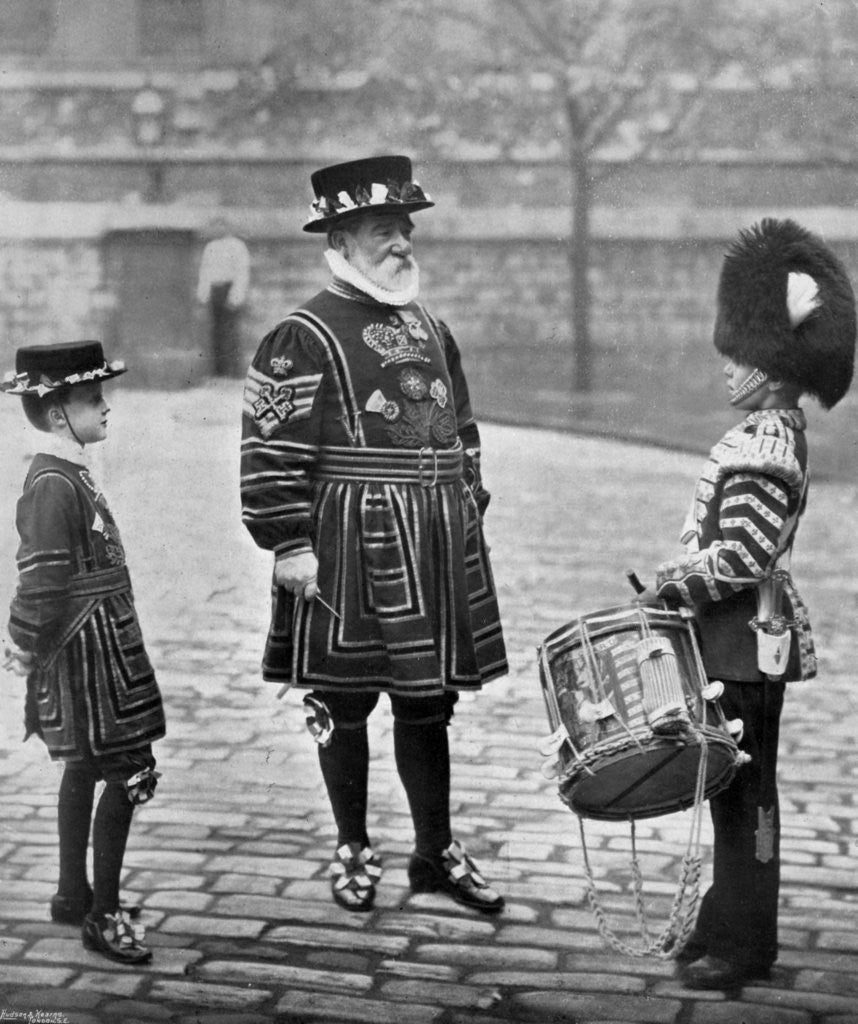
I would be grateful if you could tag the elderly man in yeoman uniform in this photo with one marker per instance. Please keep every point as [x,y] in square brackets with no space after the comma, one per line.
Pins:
[361,473]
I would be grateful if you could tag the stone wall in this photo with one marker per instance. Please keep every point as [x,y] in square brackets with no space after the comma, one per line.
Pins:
[221,173]
[502,286]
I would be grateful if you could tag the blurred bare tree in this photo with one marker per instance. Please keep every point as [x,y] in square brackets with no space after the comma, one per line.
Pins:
[599,83]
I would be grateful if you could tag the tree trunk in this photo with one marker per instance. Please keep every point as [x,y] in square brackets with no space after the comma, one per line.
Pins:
[579,263]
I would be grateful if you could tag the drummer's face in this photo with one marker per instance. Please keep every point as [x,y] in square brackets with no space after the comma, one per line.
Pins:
[747,386]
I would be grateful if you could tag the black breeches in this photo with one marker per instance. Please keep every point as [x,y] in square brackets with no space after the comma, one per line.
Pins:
[422,756]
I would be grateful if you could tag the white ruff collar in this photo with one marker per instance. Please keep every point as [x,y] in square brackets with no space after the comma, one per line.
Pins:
[63,448]
[341,268]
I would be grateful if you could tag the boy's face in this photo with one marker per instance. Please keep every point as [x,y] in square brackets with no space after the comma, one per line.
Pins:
[86,412]
[746,384]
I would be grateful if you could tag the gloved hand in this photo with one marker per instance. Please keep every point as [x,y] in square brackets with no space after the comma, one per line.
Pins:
[297,573]
[648,597]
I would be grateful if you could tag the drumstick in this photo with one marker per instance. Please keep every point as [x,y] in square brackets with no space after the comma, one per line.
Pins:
[632,577]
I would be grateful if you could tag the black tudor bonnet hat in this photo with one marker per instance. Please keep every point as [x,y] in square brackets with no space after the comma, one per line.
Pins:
[786,307]
[376,184]
[40,369]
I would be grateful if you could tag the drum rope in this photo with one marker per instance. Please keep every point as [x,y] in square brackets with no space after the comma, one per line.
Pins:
[680,923]
[646,629]
[555,714]
[701,672]
[596,675]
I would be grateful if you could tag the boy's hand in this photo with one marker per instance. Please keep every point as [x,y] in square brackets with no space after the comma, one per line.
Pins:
[648,597]
[17,661]
[643,594]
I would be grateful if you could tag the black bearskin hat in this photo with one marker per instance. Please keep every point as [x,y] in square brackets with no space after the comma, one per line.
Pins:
[786,306]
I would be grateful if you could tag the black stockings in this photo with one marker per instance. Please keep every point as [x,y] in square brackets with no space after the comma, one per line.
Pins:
[109,837]
[422,755]
[423,762]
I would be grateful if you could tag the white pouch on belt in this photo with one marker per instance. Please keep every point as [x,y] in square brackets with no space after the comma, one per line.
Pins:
[773,652]
[774,635]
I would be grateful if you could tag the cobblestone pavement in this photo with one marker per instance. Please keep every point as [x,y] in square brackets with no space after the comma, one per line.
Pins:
[230,859]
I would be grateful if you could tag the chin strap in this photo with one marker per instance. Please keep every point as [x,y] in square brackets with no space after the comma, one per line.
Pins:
[68,424]
[753,382]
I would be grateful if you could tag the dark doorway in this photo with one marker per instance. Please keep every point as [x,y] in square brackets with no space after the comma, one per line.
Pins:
[151,274]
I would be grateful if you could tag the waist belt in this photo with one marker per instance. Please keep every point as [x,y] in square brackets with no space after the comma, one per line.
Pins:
[86,592]
[100,583]
[424,466]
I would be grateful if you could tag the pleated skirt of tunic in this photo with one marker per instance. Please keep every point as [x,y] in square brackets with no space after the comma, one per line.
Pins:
[407,572]
[98,691]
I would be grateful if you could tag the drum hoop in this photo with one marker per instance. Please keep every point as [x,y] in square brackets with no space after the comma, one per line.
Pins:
[566,640]
[667,617]
[710,734]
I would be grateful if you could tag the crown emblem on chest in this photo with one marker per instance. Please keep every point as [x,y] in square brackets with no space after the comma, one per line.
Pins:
[402,339]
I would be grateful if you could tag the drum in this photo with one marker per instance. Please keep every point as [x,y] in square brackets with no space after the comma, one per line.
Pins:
[637,731]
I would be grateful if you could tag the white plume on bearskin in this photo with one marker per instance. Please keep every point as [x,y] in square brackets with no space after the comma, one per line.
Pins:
[786,306]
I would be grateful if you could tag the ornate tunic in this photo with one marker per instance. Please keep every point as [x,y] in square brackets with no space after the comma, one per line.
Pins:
[93,684]
[747,504]
[359,444]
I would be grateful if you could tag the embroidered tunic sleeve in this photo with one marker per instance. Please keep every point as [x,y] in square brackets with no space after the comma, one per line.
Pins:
[466,424]
[752,520]
[45,521]
[280,439]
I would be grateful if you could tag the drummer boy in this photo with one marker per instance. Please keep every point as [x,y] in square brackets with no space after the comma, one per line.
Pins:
[786,325]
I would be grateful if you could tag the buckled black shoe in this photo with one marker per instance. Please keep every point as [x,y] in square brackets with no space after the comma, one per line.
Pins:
[73,910]
[115,937]
[455,873]
[354,873]
[713,973]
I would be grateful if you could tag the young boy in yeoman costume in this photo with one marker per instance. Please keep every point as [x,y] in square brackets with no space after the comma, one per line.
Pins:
[91,691]
[786,324]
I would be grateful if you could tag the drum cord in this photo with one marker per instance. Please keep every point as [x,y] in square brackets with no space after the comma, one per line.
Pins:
[593,668]
[683,910]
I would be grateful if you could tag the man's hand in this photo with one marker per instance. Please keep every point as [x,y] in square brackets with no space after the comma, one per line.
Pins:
[297,573]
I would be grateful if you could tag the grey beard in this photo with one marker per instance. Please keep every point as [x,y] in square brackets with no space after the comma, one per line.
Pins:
[345,271]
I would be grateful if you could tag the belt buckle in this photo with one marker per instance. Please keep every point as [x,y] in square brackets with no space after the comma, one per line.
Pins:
[420,470]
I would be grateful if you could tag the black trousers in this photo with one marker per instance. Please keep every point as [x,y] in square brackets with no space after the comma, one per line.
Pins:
[225,336]
[738,919]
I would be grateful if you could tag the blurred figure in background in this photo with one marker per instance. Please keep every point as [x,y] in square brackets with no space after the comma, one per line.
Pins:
[223,283]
